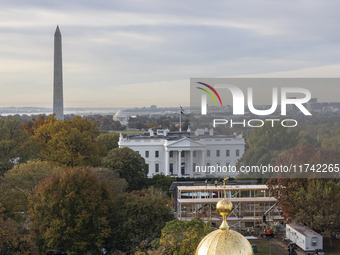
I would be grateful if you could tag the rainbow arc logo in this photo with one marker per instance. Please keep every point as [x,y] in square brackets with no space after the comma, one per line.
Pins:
[209,93]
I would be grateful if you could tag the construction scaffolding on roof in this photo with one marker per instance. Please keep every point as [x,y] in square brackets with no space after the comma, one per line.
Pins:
[251,203]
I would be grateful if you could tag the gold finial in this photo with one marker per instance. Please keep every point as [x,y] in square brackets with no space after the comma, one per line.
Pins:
[224,207]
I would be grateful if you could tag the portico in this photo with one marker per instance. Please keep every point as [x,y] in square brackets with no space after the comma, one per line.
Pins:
[181,156]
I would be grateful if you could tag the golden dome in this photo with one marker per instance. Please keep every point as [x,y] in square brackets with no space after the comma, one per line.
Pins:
[224,241]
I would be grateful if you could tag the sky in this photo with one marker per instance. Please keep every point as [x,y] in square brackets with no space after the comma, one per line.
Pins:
[137,53]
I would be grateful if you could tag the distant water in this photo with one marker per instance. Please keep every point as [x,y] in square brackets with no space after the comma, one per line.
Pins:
[70,111]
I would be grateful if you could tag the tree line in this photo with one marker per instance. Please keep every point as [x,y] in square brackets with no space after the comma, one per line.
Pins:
[64,185]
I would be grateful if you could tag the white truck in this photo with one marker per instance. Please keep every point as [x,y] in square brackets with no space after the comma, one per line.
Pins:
[307,239]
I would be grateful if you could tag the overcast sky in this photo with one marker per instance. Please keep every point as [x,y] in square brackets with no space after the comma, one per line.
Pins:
[139,53]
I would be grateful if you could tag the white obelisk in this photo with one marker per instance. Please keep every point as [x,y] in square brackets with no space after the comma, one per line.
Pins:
[58,101]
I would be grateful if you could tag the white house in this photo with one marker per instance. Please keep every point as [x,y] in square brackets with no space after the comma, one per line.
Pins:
[181,154]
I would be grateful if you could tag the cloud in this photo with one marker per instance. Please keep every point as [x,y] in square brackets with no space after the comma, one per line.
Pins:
[162,93]
[147,51]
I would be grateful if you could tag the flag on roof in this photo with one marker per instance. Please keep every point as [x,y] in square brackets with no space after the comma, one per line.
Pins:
[182,110]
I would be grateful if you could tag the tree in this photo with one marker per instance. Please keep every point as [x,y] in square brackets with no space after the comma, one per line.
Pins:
[71,143]
[180,237]
[72,210]
[266,142]
[12,239]
[18,184]
[317,206]
[263,145]
[110,140]
[118,185]
[139,216]
[162,182]
[14,143]
[311,202]
[333,141]
[129,165]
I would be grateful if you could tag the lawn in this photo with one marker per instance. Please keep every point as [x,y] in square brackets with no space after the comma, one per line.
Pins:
[266,247]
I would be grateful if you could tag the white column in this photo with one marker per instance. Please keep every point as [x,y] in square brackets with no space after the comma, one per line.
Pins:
[203,163]
[179,172]
[191,170]
[167,162]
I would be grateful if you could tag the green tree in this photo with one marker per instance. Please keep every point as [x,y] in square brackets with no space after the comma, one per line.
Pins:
[332,141]
[15,144]
[264,144]
[71,143]
[18,184]
[305,138]
[12,238]
[180,237]
[129,165]
[118,185]
[162,182]
[139,217]
[72,210]
[317,206]
[110,140]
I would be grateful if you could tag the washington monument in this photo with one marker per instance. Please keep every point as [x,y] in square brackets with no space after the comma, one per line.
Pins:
[58,102]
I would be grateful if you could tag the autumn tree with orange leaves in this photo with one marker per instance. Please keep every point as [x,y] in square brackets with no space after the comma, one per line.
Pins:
[69,143]
[72,210]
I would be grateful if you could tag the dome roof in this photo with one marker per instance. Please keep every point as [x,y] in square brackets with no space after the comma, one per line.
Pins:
[224,241]
[121,113]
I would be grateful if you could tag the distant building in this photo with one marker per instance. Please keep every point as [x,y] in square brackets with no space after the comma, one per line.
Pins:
[182,155]
[122,117]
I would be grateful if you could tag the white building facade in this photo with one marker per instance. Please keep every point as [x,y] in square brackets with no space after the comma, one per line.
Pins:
[183,155]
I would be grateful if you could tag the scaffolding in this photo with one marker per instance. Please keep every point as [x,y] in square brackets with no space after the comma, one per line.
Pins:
[250,204]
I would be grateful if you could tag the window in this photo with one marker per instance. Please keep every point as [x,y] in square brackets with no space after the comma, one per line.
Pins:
[171,154]
[208,153]
[227,153]
[314,240]
[171,168]
[194,166]
[217,153]
[156,167]
[237,153]
[208,164]
[182,154]
[156,154]
[194,154]
[146,154]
